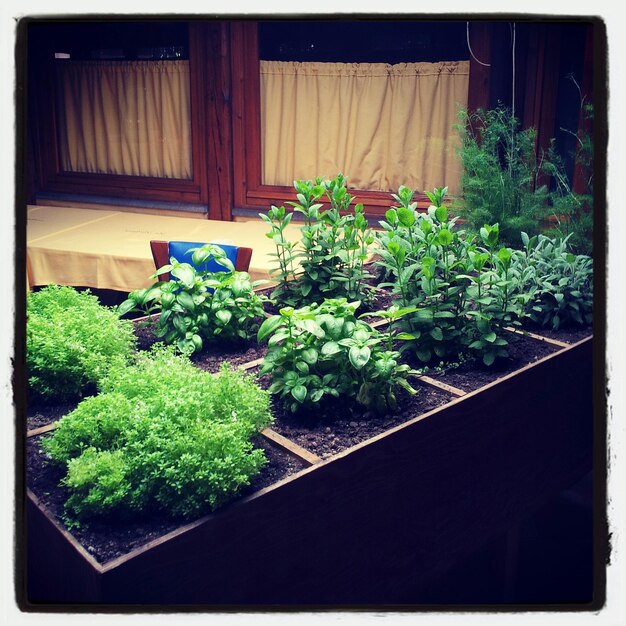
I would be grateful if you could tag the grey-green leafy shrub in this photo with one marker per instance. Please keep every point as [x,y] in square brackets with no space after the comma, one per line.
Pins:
[334,245]
[163,435]
[72,341]
[323,351]
[558,284]
[201,306]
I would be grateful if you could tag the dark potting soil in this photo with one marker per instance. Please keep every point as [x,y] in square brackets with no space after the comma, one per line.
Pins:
[109,538]
[474,374]
[330,432]
[573,334]
[41,413]
[212,356]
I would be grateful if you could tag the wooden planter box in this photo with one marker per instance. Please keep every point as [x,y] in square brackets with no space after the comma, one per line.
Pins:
[359,528]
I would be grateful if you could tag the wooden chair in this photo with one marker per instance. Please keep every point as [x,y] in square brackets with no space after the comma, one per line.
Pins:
[161,254]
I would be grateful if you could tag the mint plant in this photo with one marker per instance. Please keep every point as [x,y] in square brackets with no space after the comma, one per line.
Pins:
[72,341]
[323,351]
[198,305]
[333,246]
[463,290]
[425,258]
[492,294]
[163,436]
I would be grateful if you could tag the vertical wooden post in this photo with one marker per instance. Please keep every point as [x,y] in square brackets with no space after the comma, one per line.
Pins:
[480,35]
[542,80]
[214,44]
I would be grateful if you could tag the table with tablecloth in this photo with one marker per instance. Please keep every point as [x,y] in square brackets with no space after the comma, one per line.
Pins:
[111,249]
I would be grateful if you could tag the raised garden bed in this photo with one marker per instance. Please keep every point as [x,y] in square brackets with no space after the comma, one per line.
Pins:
[358,521]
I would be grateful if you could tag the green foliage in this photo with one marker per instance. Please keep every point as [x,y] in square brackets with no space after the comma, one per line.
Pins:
[500,182]
[72,341]
[200,305]
[334,245]
[558,284]
[572,212]
[459,294]
[322,351]
[162,435]
[500,174]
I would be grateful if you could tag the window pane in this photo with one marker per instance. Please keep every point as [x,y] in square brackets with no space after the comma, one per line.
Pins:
[354,99]
[125,117]
[123,97]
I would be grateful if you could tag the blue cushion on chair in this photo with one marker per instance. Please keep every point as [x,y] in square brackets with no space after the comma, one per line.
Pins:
[180,251]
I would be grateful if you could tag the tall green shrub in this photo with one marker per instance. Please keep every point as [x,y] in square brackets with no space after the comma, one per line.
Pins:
[459,290]
[572,212]
[334,244]
[72,341]
[501,169]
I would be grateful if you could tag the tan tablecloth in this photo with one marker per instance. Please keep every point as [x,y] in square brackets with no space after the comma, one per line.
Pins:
[111,249]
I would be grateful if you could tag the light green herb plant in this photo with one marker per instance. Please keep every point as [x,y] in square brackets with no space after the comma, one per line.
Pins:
[162,436]
[72,341]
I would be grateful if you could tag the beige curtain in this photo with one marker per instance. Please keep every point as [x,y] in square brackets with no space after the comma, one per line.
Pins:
[125,117]
[380,125]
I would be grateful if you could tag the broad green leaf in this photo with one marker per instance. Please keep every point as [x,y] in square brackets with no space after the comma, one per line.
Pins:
[309,356]
[269,326]
[276,386]
[316,395]
[441,213]
[406,217]
[489,358]
[424,315]
[444,237]
[436,333]
[299,393]
[186,301]
[126,307]
[302,367]
[405,336]
[423,355]
[312,327]
[330,348]
[185,273]
[504,254]
[224,316]
[179,324]
[359,357]
[490,337]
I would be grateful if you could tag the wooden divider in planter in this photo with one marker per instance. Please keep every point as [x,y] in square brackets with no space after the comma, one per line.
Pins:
[365,525]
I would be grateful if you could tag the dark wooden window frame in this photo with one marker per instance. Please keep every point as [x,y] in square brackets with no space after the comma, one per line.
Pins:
[249,190]
[203,62]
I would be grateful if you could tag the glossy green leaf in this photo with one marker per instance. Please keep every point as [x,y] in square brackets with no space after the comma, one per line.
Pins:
[269,326]
[299,393]
[359,357]
[185,273]
[224,316]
